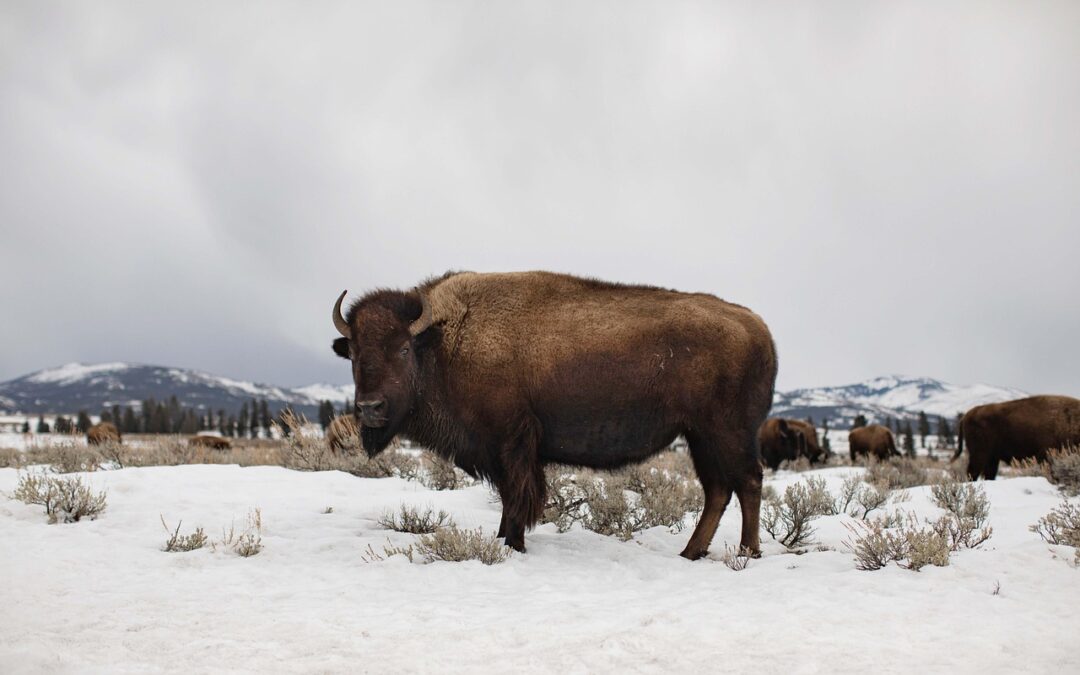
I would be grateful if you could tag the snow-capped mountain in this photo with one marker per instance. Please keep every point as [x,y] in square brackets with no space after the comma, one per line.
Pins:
[883,397]
[77,386]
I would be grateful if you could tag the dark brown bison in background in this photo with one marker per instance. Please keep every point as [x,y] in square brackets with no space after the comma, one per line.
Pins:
[1027,427]
[102,432]
[873,440]
[213,442]
[504,373]
[781,440]
[343,433]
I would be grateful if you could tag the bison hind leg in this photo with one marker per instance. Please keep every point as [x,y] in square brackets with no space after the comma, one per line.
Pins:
[725,462]
[521,484]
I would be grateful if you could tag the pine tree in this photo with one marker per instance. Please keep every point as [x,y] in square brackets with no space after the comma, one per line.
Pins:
[326,413]
[264,417]
[83,423]
[909,439]
[254,420]
[242,421]
[860,421]
[189,424]
[117,416]
[26,426]
[944,432]
[42,425]
[106,416]
[131,424]
[924,428]
[62,425]
[825,445]
[223,423]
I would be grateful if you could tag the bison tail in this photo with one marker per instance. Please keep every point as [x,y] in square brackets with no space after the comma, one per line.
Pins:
[959,441]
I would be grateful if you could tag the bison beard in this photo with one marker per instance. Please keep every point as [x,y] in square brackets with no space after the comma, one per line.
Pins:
[504,373]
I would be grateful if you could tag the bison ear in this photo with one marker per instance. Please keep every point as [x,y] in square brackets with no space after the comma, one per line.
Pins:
[341,347]
[782,425]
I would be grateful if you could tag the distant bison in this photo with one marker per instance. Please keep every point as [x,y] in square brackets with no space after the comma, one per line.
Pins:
[873,440]
[343,433]
[781,440]
[504,373]
[1019,429]
[213,442]
[102,432]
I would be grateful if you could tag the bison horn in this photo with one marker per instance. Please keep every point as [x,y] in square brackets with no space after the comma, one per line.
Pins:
[339,321]
[425,320]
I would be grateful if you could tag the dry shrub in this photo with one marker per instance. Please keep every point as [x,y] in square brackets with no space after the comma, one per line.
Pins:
[67,457]
[1062,527]
[181,543]
[11,458]
[439,474]
[245,542]
[869,498]
[964,500]
[909,545]
[736,559]
[601,503]
[787,518]
[412,520]
[303,452]
[1065,469]
[66,500]
[389,550]
[454,545]
[849,490]
[798,465]
[898,472]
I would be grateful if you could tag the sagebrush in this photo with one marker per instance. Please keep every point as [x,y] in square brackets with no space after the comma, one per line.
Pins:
[65,499]
[454,545]
[413,520]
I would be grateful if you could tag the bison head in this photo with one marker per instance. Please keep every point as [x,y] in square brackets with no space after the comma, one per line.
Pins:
[793,438]
[382,337]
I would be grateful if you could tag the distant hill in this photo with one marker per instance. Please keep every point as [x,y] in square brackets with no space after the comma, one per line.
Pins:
[77,386]
[882,397]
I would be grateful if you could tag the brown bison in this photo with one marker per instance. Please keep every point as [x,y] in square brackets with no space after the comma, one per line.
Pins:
[782,440]
[342,433]
[1027,427]
[102,432]
[213,442]
[873,440]
[504,373]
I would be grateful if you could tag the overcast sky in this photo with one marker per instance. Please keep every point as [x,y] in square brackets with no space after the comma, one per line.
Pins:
[895,189]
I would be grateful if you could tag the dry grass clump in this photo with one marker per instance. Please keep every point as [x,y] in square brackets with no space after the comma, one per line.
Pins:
[1061,467]
[1061,526]
[65,457]
[304,452]
[787,517]
[623,502]
[66,500]
[412,520]
[181,543]
[244,542]
[964,500]
[389,550]
[454,545]
[798,465]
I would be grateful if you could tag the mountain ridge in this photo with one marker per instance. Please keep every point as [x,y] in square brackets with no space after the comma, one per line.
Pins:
[77,386]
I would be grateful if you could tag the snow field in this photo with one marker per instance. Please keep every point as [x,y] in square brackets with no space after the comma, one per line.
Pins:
[101,596]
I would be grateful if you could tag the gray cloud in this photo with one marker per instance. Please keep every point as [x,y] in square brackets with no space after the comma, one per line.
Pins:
[895,189]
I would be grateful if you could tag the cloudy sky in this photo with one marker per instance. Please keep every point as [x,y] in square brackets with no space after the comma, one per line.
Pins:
[895,189]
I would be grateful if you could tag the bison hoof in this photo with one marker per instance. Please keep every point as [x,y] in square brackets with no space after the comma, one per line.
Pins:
[696,554]
[518,546]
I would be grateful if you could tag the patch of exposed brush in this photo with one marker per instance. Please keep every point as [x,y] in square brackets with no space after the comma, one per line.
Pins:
[621,503]
[454,545]
[245,541]
[439,474]
[414,520]
[900,473]
[182,543]
[787,517]
[65,499]
[1061,527]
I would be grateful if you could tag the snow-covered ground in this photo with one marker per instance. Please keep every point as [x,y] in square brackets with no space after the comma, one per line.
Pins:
[101,596]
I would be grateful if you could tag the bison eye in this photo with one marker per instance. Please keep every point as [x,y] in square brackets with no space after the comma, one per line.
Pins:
[405,350]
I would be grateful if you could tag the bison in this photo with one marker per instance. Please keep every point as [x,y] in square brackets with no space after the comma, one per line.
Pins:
[504,373]
[1026,427]
[782,440]
[208,441]
[101,433]
[342,433]
[873,440]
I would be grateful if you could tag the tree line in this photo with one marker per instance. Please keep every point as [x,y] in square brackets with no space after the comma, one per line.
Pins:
[254,420]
